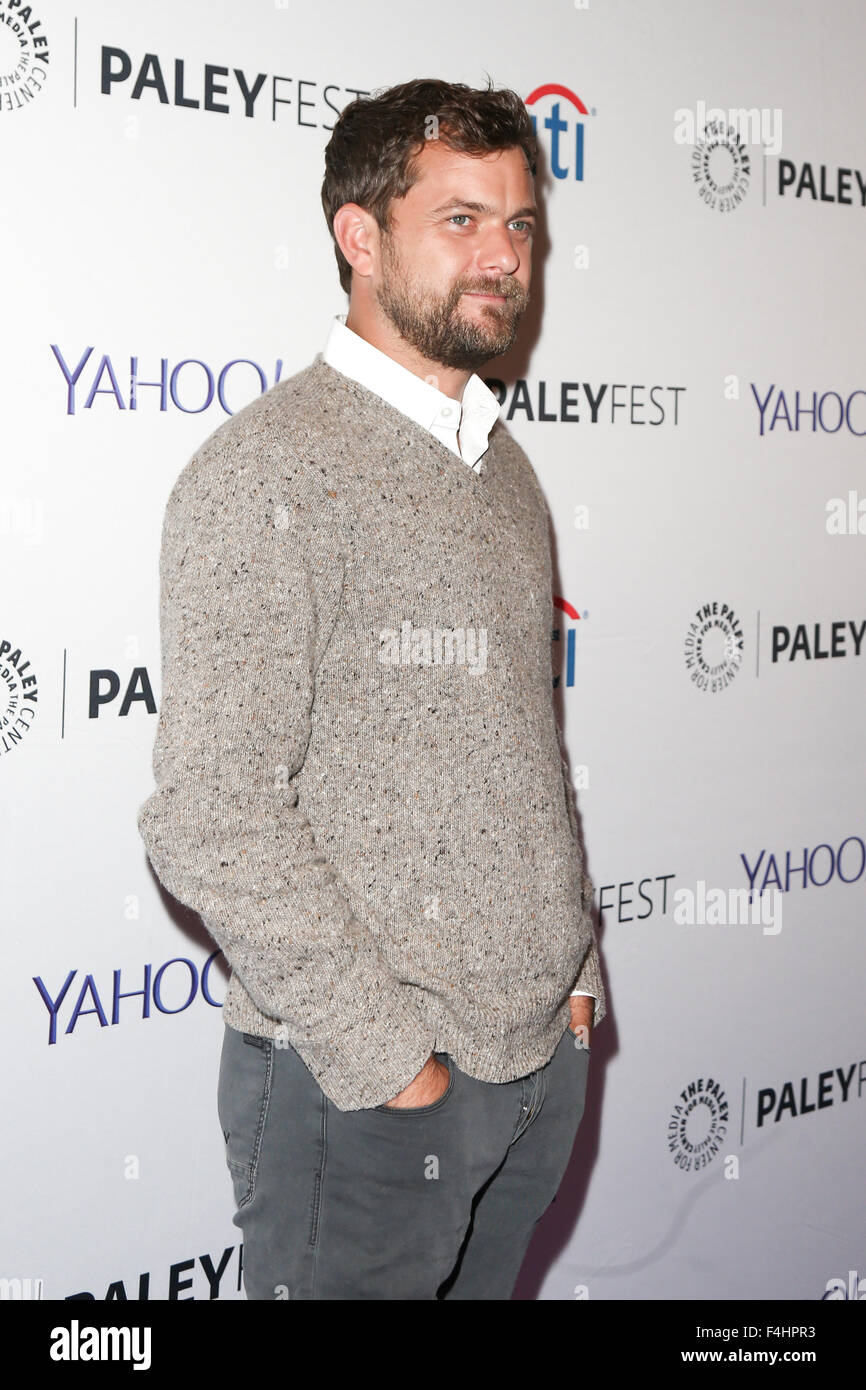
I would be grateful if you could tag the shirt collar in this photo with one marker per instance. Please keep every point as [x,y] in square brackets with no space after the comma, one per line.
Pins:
[424,403]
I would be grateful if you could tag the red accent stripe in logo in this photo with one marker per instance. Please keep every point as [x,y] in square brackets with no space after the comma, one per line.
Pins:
[555,89]
[565,607]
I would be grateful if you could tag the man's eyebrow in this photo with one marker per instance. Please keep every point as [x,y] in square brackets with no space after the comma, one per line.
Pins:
[529,211]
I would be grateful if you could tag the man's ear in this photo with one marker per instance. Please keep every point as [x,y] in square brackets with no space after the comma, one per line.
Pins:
[357,235]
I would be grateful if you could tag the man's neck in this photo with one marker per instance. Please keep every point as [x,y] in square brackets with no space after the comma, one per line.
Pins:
[451,381]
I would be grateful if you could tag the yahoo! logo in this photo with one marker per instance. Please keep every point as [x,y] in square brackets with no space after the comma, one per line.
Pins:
[817,865]
[190,385]
[570,638]
[185,984]
[828,413]
[560,130]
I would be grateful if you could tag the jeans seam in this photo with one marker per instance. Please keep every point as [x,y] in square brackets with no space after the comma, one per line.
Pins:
[317,1186]
[537,1098]
[520,1116]
[317,1194]
[263,1114]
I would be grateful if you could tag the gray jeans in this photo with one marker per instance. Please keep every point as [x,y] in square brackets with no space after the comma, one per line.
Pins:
[439,1201]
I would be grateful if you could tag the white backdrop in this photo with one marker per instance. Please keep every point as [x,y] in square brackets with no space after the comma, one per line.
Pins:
[151,241]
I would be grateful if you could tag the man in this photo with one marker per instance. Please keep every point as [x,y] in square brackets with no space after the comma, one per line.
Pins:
[359,779]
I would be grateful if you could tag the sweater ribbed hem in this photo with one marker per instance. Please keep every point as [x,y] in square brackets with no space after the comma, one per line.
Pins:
[371,1063]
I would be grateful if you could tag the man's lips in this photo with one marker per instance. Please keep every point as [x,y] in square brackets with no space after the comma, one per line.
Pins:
[475,294]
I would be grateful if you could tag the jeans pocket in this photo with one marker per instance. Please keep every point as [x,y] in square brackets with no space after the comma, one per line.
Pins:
[243,1095]
[409,1111]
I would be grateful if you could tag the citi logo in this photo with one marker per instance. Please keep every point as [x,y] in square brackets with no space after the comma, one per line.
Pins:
[570,635]
[565,140]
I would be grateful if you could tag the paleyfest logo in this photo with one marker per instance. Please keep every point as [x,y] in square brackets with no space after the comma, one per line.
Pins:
[23,55]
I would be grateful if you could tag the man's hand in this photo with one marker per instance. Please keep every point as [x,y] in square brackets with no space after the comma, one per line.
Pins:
[582,1010]
[431,1083]
[428,1086]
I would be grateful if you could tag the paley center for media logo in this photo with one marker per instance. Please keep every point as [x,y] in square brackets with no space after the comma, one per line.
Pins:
[699,1120]
[19,697]
[24,55]
[713,647]
[721,167]
[698,1124]
[714,643]
[720,163]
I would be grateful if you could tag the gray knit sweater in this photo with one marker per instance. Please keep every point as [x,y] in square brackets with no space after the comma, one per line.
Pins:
[359,782]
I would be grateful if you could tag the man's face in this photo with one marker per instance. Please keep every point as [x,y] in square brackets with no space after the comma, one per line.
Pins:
[455,277]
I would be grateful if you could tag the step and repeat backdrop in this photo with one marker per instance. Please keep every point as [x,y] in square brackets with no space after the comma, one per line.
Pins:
[690,385]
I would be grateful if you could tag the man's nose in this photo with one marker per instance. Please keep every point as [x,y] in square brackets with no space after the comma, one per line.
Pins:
[498,252]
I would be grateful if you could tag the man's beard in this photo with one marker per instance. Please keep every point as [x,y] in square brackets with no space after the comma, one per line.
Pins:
[433,324]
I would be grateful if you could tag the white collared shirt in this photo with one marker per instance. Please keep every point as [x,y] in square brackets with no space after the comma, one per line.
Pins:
[462,426]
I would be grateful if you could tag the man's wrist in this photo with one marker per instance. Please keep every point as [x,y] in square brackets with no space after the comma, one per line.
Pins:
[582,1008]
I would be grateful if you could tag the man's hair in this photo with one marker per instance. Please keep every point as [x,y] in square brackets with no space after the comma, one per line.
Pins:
[371,157]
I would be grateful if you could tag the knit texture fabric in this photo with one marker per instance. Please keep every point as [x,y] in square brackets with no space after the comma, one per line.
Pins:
[359,779]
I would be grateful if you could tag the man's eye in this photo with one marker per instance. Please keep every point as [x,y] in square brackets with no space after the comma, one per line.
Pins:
[525,226]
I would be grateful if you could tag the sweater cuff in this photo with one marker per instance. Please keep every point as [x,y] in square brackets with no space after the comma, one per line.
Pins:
[589,982]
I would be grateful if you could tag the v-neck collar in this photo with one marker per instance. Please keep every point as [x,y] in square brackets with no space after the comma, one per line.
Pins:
[416,433]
